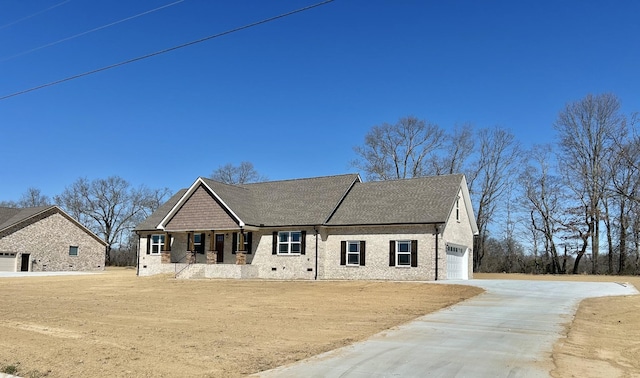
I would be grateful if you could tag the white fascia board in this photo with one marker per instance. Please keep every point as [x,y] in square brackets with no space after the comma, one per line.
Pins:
[468,205]
[187,195]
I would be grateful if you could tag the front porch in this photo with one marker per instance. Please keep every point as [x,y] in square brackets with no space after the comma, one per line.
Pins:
[212,247]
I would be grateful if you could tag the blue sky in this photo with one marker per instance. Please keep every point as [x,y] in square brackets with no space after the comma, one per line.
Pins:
[292,96]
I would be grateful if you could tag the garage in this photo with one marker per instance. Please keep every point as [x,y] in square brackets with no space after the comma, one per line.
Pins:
[457,262]
[7,262]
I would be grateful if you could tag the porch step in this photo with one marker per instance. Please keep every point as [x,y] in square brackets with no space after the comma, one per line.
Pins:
[193,271]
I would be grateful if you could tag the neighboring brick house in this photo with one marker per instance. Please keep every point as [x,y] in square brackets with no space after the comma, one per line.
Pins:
[334,227]
[47,239]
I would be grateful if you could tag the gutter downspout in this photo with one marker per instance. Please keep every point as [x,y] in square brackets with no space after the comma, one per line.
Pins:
[437,233]
[316,269]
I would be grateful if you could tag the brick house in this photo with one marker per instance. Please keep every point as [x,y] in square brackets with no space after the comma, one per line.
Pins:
[47,239]
[334,227]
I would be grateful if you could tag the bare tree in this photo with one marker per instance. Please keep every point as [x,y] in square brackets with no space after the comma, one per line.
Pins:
[499,154]
[544,198]
[625,185]
[236,175]
[585,128]
[400,150]
[457,148]
[12,204]
[110,207]
[33,197]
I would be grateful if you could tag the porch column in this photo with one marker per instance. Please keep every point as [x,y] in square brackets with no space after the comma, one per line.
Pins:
[211,253]
[165,254]
[241,254]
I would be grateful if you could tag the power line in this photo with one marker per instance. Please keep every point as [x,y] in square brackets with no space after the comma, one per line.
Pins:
[166,50]
[33,15]
[89,31]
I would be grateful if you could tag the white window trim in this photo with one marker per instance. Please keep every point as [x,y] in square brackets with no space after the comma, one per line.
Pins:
[160,244]
[77,248]
[349,243]
[289,243]
[398,253]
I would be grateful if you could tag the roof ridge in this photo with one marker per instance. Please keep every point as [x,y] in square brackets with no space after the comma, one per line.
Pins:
[223,183]
[448,175]
[303,178]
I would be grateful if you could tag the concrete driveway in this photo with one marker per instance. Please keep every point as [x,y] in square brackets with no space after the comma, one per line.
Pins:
[508,331]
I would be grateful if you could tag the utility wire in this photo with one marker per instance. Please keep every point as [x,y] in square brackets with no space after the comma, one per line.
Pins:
[166,50]
[89,31]
[33,15]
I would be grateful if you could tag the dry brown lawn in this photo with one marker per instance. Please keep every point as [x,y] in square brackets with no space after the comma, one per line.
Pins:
[604,338]
[118,325]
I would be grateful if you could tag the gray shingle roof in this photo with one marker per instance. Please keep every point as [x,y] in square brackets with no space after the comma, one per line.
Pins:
[154,219]
[11,216]
[341,199]
[417,200]
[299,202]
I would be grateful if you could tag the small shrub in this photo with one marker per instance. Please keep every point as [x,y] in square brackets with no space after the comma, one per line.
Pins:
[10,369]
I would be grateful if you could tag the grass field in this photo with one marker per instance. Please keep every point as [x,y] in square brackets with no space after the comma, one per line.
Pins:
[118,325]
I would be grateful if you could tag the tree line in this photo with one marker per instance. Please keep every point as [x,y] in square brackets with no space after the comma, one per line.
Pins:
[543,209]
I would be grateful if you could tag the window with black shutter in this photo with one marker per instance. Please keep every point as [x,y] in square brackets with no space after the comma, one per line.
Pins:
[403,253]
[289,243]
[248,242]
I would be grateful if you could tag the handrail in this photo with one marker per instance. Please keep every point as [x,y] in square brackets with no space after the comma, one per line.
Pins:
[185,267]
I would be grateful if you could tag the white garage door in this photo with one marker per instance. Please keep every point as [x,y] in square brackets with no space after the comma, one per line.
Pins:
[457,262]
[7,262]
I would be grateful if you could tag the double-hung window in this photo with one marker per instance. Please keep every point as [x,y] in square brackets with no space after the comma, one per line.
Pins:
[289,242]
[403,253]
[352,252]
[157,243]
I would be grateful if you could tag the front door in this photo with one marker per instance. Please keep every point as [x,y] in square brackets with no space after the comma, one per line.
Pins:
[219,248]
[24,266]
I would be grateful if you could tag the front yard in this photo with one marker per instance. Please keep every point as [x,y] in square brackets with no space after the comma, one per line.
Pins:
[118,325]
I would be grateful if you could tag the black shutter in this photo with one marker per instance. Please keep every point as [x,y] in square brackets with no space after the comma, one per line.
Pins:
[392,253]
[274,247]
[149,244]
[203,239]
[343,253]
[189,244]
[249,241]
[234,243]
[414,253]
[362,252]
[303,242]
